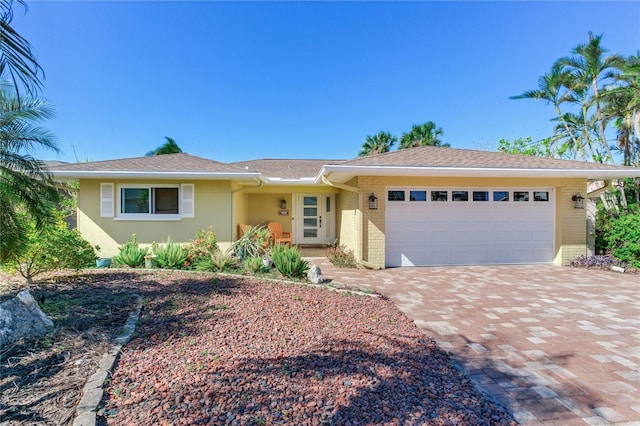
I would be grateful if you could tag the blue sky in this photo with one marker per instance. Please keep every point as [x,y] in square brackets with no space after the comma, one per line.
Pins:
[234,81]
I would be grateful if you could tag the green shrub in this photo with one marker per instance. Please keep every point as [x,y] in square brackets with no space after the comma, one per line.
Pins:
[201,248]
[131,254]
[169,255]
[341,257]
[288,261]
[52,247]
[253,243]
[219,262]
[254,264]
[622,237]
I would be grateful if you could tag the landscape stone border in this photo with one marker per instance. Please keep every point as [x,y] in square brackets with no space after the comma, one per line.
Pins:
[93,390]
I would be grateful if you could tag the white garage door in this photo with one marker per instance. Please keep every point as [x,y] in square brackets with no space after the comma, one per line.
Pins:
[469,226]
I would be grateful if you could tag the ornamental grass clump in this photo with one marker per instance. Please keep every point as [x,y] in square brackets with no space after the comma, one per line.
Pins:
[131,254]
[288,261]
[169,255]
[219,262]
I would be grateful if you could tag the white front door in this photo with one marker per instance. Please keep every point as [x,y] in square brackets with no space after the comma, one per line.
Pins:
[314,219]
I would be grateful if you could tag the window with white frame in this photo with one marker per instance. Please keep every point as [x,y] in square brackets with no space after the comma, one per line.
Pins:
[147,201]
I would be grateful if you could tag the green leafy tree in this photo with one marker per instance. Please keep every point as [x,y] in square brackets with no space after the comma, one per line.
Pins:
[426,134]
[169,147]
[377,144]
[25,184]
[575,87]
[527,147]
[49,248]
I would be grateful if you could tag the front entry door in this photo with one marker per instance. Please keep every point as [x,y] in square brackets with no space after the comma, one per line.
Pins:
[314,219]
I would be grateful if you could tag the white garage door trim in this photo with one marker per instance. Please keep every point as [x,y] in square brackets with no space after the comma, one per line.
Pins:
[493,226]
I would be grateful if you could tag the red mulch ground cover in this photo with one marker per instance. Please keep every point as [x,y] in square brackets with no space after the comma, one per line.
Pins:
[224,350]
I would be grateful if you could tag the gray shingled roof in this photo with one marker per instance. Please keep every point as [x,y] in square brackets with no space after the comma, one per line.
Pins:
[429,156]
[157,163]
[285,168]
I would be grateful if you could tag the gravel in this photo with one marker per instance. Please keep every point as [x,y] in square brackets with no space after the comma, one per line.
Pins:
[240,351]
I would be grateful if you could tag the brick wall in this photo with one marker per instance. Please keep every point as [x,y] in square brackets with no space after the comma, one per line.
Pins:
[350,217]
[571,223]
[373,239]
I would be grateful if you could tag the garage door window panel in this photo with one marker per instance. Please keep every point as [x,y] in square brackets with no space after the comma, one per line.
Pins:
[520,196]
[500,196]
[417,195]
[541,196]
[460,195]
[395,196]
[480,195]
[439,195]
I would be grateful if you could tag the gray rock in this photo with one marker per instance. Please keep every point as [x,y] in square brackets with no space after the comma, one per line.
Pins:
[21,317]
[315,274]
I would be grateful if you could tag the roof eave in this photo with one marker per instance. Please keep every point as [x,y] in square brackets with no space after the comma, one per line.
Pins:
[344,173]
[84,174]
[289,182]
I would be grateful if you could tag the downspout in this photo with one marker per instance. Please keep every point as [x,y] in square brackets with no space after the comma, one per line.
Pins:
[233,205]
[360,231]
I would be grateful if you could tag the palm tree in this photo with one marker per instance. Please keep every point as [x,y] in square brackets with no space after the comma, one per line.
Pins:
[169,147]
[590,69]
[377,144]
[427,134]
[17,61]
[25,185]
[552,88]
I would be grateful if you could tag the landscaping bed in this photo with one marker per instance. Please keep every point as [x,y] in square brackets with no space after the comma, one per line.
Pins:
[236,350]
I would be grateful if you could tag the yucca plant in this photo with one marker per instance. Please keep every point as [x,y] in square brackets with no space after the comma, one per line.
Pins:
[219,262]
[253,243]
[131,254]
[288,261]
[170,255]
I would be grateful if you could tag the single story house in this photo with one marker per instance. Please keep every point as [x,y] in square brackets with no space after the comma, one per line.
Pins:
[413,207]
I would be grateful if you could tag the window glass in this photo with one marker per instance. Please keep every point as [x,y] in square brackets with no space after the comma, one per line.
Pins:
[310,201]
[460,195]
[438,195]
[134,200]
[480,195]
[310,222]
[165,200]
[500,195]
[328,206]
[311,233]
[540,196]
[310,211]
[520,195]
[417,195]
[395,196]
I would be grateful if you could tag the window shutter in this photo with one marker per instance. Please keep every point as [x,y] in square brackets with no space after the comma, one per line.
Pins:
[187,200]
[106,200]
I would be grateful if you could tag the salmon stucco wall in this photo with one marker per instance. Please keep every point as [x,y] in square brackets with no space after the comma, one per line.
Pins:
[212,208]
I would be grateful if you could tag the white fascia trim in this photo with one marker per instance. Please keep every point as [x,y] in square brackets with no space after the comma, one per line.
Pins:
[289,182]
[475,172]
[69,174]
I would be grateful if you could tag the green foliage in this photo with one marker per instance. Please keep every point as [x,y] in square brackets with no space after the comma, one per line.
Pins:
[527,147]
[341,257]
[219,262]
[377,144]
[131,254]
[170,255]
[253,243]
[169,147]
[288,261]
[201,248]
[49,248]
[426,134]
[622,237]
[254,264]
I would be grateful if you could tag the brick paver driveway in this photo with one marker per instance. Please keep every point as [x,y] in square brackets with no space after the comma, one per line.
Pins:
[554,345]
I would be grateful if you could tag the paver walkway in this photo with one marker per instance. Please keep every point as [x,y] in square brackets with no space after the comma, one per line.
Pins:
[554,345]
